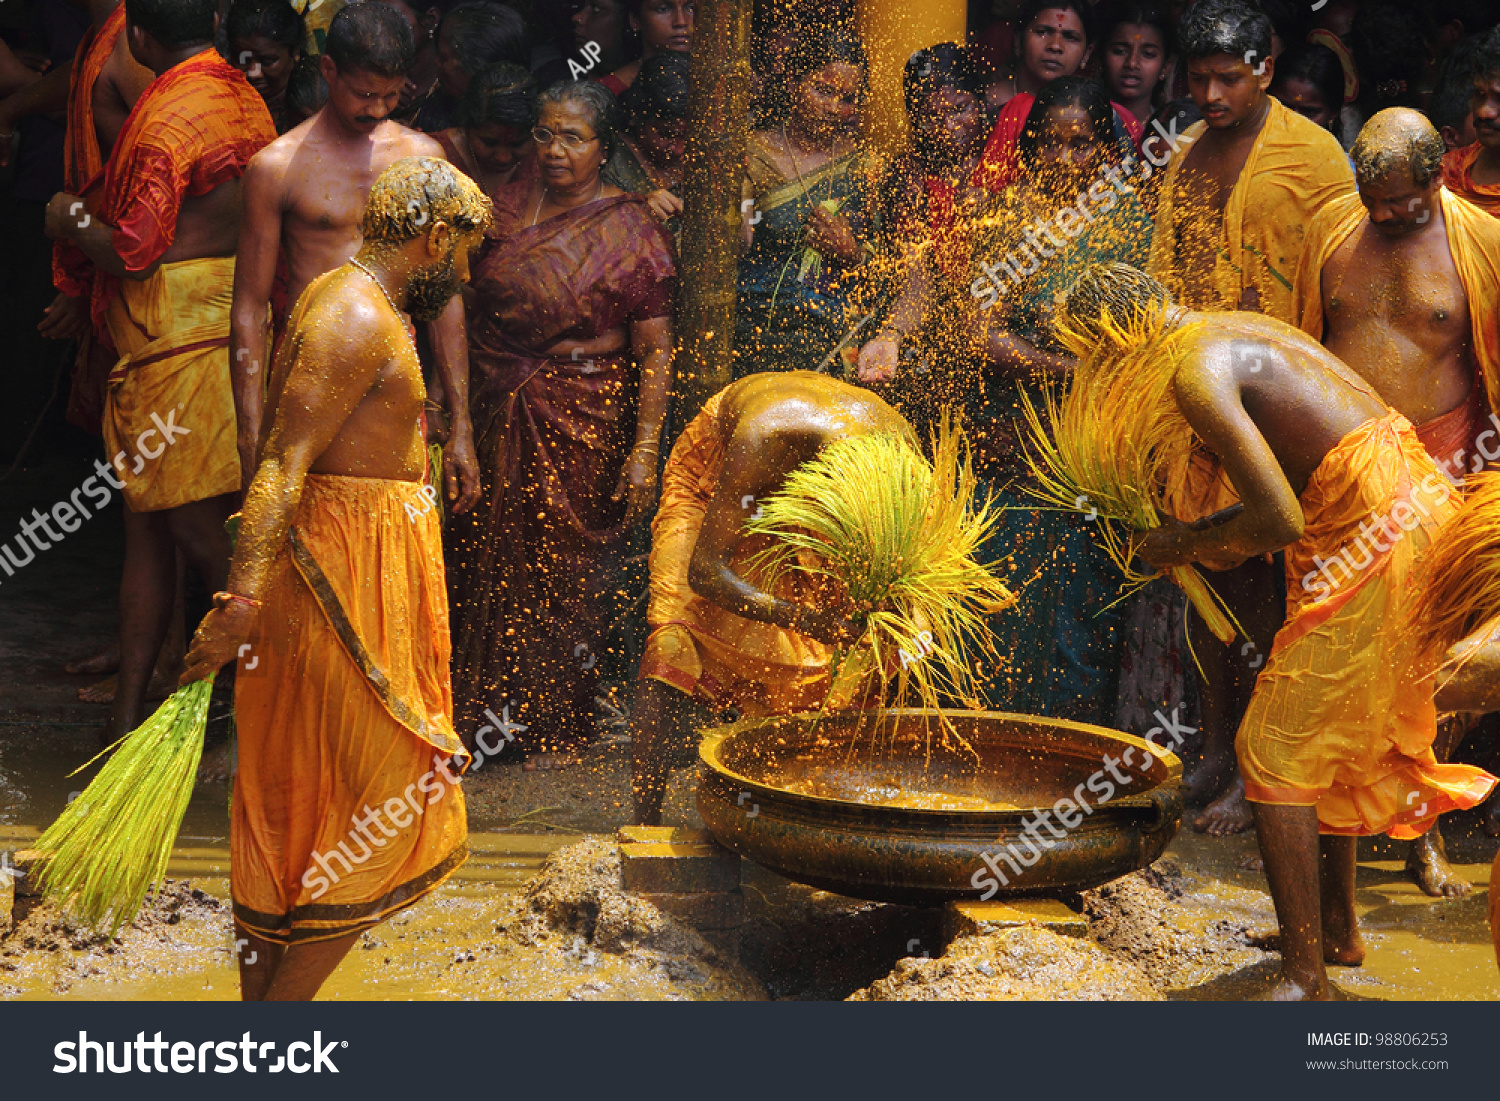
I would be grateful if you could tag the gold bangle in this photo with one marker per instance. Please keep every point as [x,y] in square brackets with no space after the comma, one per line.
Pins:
[223,600]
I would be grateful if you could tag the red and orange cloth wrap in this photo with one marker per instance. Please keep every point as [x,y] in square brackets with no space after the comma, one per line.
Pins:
[711,654]
[195,127]
[346,803]
[1458,177]
[1474,242]
[1342,716]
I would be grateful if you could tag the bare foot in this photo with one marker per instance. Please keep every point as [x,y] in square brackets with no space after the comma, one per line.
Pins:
[1348,952]
[163,684]
[1427,861]
[1228,814]
[1288,989]
[1252,863]
[1207,781]
[549,762]
[96,665]
[217,764]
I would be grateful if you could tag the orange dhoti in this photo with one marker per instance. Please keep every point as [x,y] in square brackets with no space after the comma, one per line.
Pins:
[1453,438]
[169,423]
[346,802]
[1342,717]
[714,655]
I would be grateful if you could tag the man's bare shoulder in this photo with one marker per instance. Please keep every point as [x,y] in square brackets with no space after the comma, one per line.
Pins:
[396,142]
[343,323]
[275,159]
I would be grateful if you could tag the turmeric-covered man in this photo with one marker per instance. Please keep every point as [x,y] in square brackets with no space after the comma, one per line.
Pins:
[1338,735]
[345,717]
[1233,209]
[161,232]
[1473,171]
[717,637]
[1402,283]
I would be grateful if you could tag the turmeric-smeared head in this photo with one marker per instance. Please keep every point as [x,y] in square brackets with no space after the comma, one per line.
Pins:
[1398,140]
[416,193]
[1109,297]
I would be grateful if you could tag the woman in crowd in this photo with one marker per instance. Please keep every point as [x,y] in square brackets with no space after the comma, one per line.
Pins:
[306,92]
[1310,80]
[1062,637]
[265,42]
[1136,40]
[664,26]
[470,37]
[492,143]
[570,333]
[810,219]
[649,158]
[1055,42]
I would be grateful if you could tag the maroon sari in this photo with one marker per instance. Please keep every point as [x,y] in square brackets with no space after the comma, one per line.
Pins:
[533,567]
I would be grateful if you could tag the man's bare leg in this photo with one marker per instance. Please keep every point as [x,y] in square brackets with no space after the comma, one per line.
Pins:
[1342,944]
[145,610]
[304,968]
[258,960]
[168,661]
[657,724]
[1427,858]
[1288,839]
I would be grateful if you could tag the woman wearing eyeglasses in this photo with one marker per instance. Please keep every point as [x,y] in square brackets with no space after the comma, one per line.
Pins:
[810,217]
[570,336]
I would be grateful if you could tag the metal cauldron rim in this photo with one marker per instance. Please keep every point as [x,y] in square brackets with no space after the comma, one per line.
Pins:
[713,738]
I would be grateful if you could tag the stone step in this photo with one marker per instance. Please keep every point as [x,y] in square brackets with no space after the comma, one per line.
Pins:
[677,867]
[972,919]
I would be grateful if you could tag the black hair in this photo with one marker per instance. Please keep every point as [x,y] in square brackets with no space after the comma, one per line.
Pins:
[598,103]
[1116,13]
[814,50]
[1319,66]
[1452,93]
[931,70]
[373,38]
[1476,16]
[1390,48]
[174,23]
[1288,17]
[273,19]
[1487,56]
[482,33]
[1081,8]
[661,89]
[1224,27]
[1068,91]
[503,93]
[306,90]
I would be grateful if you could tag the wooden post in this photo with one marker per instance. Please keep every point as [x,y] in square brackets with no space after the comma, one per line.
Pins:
[892,30]
[714,167]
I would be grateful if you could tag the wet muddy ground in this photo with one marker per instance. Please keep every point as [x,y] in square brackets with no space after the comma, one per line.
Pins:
[510,925]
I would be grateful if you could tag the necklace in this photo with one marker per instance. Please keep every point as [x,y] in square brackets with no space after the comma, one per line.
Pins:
[387,294]
[542,198]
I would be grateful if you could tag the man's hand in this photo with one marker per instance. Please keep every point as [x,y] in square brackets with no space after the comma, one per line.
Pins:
[831,626]
[218,639]
[878,359]
[832,235]
[460,469]
[65,319]
[637,485]
[664,204]
[1167,546]
[66,215]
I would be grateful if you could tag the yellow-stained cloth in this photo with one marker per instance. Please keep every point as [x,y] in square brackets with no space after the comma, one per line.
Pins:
[172,379]
[1342,716]
[697,647]
[1458,176]
[1473,241]
[346,806]
[1294,168]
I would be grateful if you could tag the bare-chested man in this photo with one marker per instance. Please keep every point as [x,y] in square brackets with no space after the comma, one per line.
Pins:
[1403,285]
[303,198]
[716,638]
[1234,207]
[1474,171]
[347,720]
[1338,736]
[160,232]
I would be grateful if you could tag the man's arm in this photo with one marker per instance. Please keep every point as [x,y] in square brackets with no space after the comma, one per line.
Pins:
[1209,396]
[46,95]
[754,466]
[1469,679]
[338,362]
[450,347]
[249,317]
[69,218]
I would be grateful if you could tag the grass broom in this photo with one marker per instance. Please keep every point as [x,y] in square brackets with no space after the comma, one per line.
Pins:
[111,845]
[1109,444]
[901,535]
[1460,578]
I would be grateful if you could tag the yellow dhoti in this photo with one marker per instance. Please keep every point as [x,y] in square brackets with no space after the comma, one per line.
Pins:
[714,655]
[169,423]
[346,807]
[1342,717]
